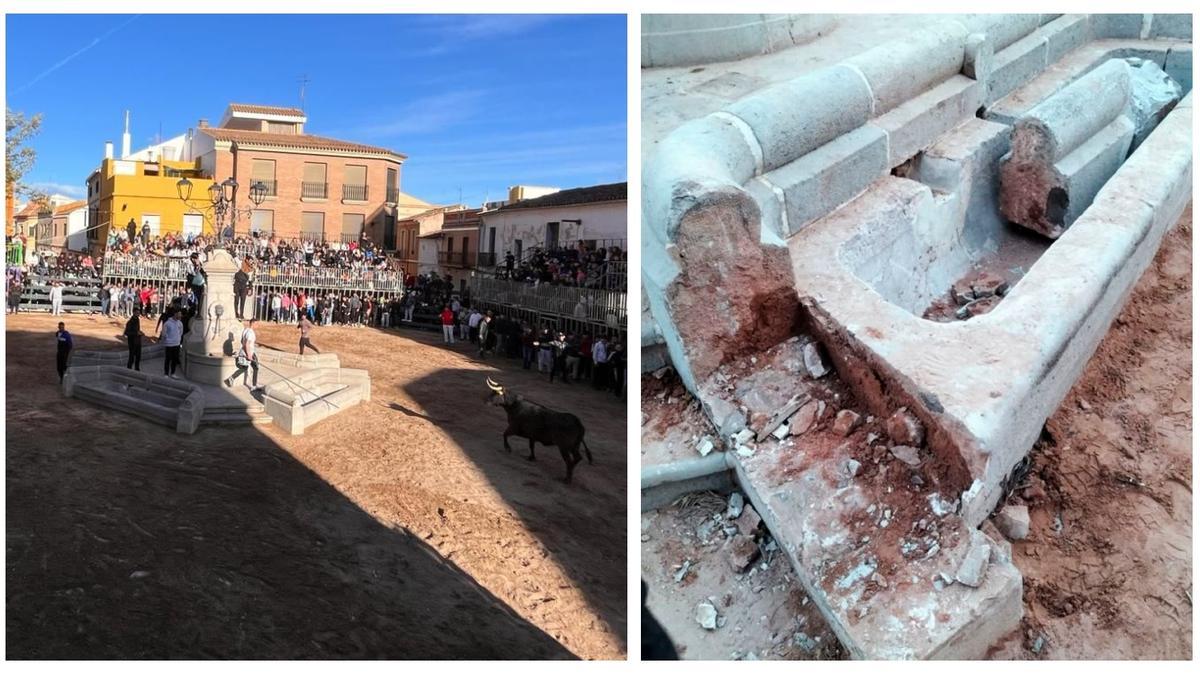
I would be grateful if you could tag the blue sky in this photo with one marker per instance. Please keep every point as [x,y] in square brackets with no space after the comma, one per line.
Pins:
[477,103]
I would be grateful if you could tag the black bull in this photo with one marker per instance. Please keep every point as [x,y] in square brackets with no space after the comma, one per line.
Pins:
[542,425]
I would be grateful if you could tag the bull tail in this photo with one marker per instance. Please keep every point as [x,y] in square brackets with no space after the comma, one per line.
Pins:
[586,449]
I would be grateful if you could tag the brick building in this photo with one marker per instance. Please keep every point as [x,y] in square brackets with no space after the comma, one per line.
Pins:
[316,187]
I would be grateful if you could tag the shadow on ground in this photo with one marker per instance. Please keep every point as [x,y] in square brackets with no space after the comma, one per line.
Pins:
[125,540]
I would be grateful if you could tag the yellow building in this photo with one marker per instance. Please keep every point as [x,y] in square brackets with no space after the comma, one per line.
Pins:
[144,193]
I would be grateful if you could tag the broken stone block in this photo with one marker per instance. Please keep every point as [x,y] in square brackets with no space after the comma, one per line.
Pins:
[705,446]
[853,466]
[743,436]
[706,615]
[804,419]
[974,565]
[736,503]
[749,521]
[987,284]
[962,292]
[742,553]
[1013,521]
[814,362]
[904,428]
[846,422]
[781,432]
[907,454]
[1065,148]
[1154,95]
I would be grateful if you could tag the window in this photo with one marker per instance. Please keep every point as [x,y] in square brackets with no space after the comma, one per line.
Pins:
[313,183]
[352,225]
[262,220]
[263,171]
[393,186]
[354,187]
[312,225]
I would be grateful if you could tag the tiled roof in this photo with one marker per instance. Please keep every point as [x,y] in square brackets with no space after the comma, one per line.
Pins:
[69,207]
[31,209]
[609,192]
[295,141]
[265,109]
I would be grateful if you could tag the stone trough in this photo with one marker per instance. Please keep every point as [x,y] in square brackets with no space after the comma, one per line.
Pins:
[173,403]
[957,218]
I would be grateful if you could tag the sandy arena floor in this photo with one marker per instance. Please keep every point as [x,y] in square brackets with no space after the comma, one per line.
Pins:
[398,529]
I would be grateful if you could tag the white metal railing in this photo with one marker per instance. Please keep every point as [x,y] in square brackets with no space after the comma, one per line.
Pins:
[300,275]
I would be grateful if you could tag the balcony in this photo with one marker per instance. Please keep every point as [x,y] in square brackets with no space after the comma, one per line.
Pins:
[354,193]
[486,259]
[454,259]
[271,185]
[393,195]
[314,190]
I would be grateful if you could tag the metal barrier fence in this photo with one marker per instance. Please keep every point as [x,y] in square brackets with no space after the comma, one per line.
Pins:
[175,270]
[587,305]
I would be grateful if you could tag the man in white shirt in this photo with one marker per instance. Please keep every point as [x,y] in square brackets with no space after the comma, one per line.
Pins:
[599,363]
[172,338]
[56,297]
[247,357]
[473,324]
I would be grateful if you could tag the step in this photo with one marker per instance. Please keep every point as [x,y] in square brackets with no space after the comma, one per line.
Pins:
[122,403]
[879,583]
[234,419]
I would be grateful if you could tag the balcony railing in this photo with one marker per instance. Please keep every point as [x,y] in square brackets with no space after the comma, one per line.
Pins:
[393,195]
[314,190]
[486,259]
[271,185]
[294,275]
[354,193]
[454,258]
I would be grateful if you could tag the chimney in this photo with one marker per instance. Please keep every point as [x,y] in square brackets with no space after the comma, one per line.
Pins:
[203,123]
[125,138]
[108,150]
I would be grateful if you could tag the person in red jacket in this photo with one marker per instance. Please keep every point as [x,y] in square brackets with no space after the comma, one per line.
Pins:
[448,325]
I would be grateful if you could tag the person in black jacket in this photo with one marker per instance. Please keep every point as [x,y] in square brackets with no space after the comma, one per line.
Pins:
[65,343]
[196,281]
[241,287]
[133,335]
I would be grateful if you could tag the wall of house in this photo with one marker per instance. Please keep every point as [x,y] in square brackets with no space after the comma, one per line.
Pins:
[604,220]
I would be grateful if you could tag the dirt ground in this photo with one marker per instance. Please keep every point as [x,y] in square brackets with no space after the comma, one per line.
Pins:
[398,529]
[1108,563]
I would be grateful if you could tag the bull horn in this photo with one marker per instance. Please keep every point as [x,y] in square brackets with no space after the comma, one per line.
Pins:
[494,386]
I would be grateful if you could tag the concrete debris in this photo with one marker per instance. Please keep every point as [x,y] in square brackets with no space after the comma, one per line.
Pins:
[1153,94]
[744,451]
[853,466]
[662,372]
[706,616]
[803,641]
[977,307]
[805,418]
[781,432]
[743,436]
[743,552]
[749,521]
[907,454]
[1013,521]
[706,446]
[942,507]
[682,571]
[904,428]
[974,565]
[139,574]
[736,503]
[846,422]
[785,411]
[814,362]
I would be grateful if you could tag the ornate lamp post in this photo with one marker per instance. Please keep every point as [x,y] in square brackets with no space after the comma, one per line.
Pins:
[222,197]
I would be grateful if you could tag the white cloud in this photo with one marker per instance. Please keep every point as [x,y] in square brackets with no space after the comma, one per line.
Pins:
[69,189]
[447,33]
[421,116]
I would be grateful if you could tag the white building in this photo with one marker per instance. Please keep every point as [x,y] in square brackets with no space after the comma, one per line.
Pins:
[596,215]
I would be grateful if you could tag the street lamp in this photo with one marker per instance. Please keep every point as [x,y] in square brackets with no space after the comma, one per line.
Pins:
[230,189]
[185,189]
[258,192]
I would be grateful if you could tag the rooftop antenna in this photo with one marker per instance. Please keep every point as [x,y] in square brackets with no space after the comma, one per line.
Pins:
[303,84]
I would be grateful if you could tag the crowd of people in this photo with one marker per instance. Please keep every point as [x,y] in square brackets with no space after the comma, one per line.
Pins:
[578,265]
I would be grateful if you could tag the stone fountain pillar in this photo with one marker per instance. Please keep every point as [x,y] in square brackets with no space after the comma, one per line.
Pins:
[215,333]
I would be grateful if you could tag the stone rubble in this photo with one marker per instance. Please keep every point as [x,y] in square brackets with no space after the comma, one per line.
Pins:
[904,429]
[1013,521]
[907,454]
[736,504]
[974,565]
[706,616]
[846,422]
[814,362]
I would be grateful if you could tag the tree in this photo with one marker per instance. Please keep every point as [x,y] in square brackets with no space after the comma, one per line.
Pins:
[19,157]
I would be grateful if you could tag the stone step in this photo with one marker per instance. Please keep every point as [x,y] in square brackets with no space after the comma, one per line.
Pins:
[146,410]
[231,418]
[884,561]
